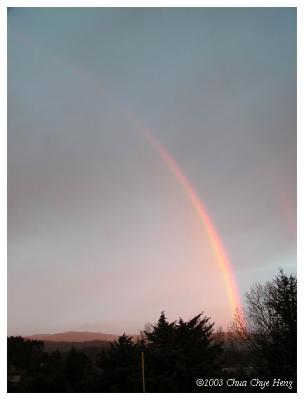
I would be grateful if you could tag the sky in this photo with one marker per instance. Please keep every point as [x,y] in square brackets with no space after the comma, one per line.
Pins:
[101,235]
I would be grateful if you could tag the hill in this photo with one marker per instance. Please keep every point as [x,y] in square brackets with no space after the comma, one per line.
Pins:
[73,336]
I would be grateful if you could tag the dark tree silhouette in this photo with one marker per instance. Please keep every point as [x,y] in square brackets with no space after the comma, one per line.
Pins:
[270,326]
[23,353]
[121,366]
[77,366]
[180,352]
[30,369]
[24,358]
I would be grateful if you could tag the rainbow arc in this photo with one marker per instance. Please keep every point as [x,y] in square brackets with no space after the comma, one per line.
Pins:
[197,204]
[200,210]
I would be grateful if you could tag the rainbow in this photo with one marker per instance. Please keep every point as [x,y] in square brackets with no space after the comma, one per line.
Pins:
[198,206]
[200,210]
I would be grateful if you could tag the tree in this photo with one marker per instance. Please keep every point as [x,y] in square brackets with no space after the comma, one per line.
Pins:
[25,354]
[180,352]
[270,325]
[160,358]
[121,366]
[77,370]
[24,358]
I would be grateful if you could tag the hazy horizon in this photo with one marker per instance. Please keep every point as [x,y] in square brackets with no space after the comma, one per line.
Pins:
[101,236]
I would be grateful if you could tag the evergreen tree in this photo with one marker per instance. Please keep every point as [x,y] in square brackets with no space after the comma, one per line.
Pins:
[77,369]
[161,356]
[121,366]
[198,353]
[180,352]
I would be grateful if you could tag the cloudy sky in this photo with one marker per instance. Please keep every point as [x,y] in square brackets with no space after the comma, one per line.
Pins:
[101,235]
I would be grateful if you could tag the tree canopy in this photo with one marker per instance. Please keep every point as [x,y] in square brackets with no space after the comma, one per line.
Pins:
[270,325]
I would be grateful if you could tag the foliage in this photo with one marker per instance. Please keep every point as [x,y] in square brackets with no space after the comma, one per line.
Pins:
[30,369]
[180,352]
[270,325]
[121,366]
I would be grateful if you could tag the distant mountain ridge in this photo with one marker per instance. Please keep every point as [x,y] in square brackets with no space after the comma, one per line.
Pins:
[85,336]
[73,336]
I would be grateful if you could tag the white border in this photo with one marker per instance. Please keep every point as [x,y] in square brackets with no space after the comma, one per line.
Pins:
[3,176]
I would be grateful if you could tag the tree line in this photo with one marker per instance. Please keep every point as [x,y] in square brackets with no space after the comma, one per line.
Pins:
[175,354]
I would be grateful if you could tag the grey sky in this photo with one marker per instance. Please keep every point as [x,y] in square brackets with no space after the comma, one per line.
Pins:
[100,234]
